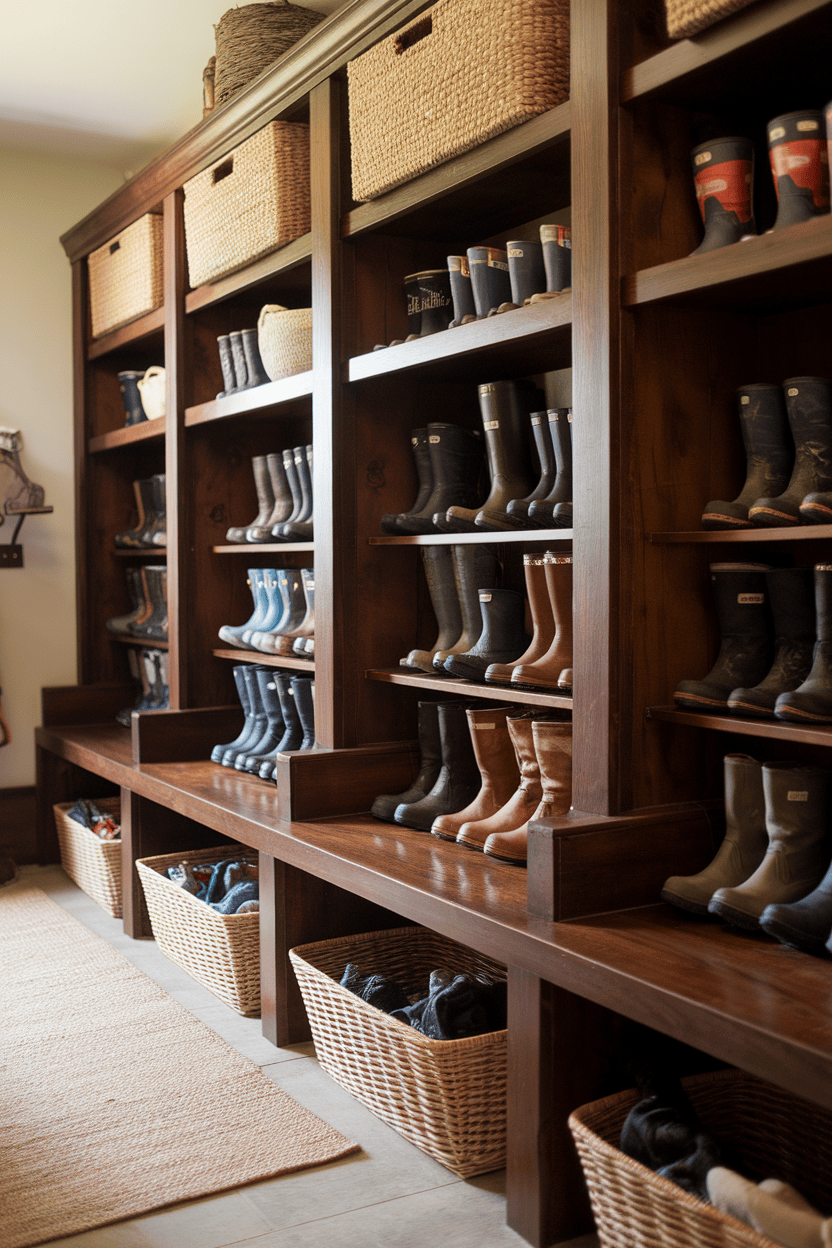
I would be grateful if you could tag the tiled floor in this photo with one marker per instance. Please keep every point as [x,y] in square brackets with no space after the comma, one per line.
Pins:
[389,1194]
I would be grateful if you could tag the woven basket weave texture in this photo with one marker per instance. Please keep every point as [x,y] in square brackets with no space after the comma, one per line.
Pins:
[251,38]
[248,203]
[462,72]
[125,275]
[688,17]
[774,1134]
[284,336]
[221,951]
[93,864]
[448,1097]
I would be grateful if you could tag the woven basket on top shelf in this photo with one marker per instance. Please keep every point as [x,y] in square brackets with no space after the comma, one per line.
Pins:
[93,864]
[251,38]
[221,951]
[126,278]
[448,1097]
[773,1133]
[459,74]
[688,17]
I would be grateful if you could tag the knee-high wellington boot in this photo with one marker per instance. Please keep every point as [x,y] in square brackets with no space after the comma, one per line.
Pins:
[543,622]
[458,781]
[499,772]
[431,762]
[553,749]
[424,472]
[809,405]
[475,567]
[769,453]
[439,573]
[811,702]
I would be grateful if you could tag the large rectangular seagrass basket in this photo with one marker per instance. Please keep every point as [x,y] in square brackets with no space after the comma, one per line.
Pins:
[774,1134]
[248,203]
[460,73]
[125,275]
[93,864]
[448,1097]
[688,17]
[221,951]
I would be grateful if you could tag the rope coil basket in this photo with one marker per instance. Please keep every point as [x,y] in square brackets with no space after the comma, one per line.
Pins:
[94,865]
[249,203]
[220,951]
[461,73]
[448,1097]
[774,1133]
[284,336]
[688,17]
[125,275]
[251,38]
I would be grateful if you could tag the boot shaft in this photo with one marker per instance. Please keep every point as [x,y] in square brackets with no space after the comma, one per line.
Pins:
[424,472]
[257,375]
[304,691]
[459,766]
[767,440]
[553,749]
[439,573]
[522,738]
[745,805]
[294,483]
[558,574]
[809,408]
[797,810]
[505,407]
[229,377]
[238,357]
[475,568]
[741,600]
[282,507]
[503,622]
[455,456]
[723,175]
[494,751]
[799,166]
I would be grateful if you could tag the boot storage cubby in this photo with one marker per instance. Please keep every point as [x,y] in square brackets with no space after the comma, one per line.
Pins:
[647,349]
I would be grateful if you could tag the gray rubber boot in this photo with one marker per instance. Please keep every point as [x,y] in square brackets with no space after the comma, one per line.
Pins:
[475,568]
[439,573]
[503,638]
[431,761]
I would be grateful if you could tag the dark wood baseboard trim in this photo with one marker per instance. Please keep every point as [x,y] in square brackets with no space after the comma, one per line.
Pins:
[17,824]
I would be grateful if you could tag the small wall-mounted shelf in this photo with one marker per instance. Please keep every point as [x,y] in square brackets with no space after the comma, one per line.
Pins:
[11,553]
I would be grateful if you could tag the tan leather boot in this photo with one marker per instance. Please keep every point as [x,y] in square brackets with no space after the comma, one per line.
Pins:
[545,672]
[797,811]
[543,622]
[522,802]
[745,843]
[498,768]
[553,747]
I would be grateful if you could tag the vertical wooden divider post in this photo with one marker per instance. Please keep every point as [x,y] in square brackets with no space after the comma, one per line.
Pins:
[180,590]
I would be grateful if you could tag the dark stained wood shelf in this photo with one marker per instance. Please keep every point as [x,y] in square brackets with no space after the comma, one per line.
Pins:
[263,548]
[800,533]
[290,393]
[145,642]
[533,339]
[779,730]
[450,684]
[279,263]
[128,335]
[146,552]
[128,436]
[469,539]
[268,660]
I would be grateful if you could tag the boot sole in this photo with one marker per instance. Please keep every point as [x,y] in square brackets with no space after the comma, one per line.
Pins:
[515,862]
[691,702]
[530,688]
[722,524]
[682,903]
[475,845]
[765,518]
[792,712]
[749,709]
[737,918]
[443,836]
[794,939]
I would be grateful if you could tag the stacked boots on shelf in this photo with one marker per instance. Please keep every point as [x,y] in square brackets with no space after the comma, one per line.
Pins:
[283,619]
[279,715]
[488,281]
[240,361]
[151,530]
[149,667]
[283,482]
[147,587]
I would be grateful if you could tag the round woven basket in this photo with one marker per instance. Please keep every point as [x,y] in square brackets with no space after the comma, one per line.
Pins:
[250,38]
[284,336]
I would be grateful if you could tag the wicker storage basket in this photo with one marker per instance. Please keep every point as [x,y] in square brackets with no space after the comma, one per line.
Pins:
[251,38]
[93,864]
[126,275]
[249,203]
[221,951]
[284,336]
[462,72]
[448,1097]
[774,1134]
[688,17]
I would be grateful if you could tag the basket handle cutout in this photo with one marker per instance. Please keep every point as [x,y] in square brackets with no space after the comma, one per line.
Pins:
[223,170]
[419,31]
[114,247]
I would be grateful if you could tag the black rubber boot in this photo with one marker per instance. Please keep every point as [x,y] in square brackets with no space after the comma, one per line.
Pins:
[459,272]
[304,690]
[799,166]
[811,702]
[293,735]
[502,640]
[229,377]
[459,779]
[273,729]
[439,574]
[809,405]
[431,761]
[245,702]
[791,594]
[723,174]
[816,507]
[456,461]
[747,647]
[505,407]
[805,924]
[526,272]
[238,357]
[421,456]
[542,510]
[294,489]
[769,453]
[517,511]
[134,413]
[157,532]
[257,375]
[257,717]
[475,568]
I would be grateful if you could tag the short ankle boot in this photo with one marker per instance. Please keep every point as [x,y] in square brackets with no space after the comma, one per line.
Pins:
[505,407]
[256,718]
[526,797]
[517,511]
[791,594]
[456,457]
[459,272]
[543,622]
[124,623]
[128,384]
[769,454]
[553,749]
[553,669]
[798,852]
[743,847]
[238,357]
[293,735]
[799,165]
[252,758]
[490,282]
[424,473]
[542,511]
[475,567]
[294,489]
[430,750]
[458,781]
[811,702]
[131,539]
[747,638]
[277,609]
[439,574]
[265,500]
[723,174]
[232,634]
[809,407]
[245,702]
[304,690]
[257,375]
[502,639]
[499,773]
[229,377]
[526,272]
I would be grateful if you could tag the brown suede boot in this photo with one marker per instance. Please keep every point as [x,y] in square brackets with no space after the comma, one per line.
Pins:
[553,747]
[513,813]
[543,622]
[498,768]
[547,671]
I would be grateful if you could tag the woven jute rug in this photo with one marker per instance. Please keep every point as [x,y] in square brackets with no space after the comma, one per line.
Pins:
[114,1099]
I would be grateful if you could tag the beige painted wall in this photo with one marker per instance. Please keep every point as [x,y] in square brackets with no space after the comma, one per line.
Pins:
[41,196]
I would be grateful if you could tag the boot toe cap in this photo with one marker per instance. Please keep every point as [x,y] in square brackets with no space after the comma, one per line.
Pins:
[719,515]
[755,702]
[698,695]
[508,846]
[816,509]
[804,708]
[527,675]
[784,923]
[773,513]
[737,908]
[683,892]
